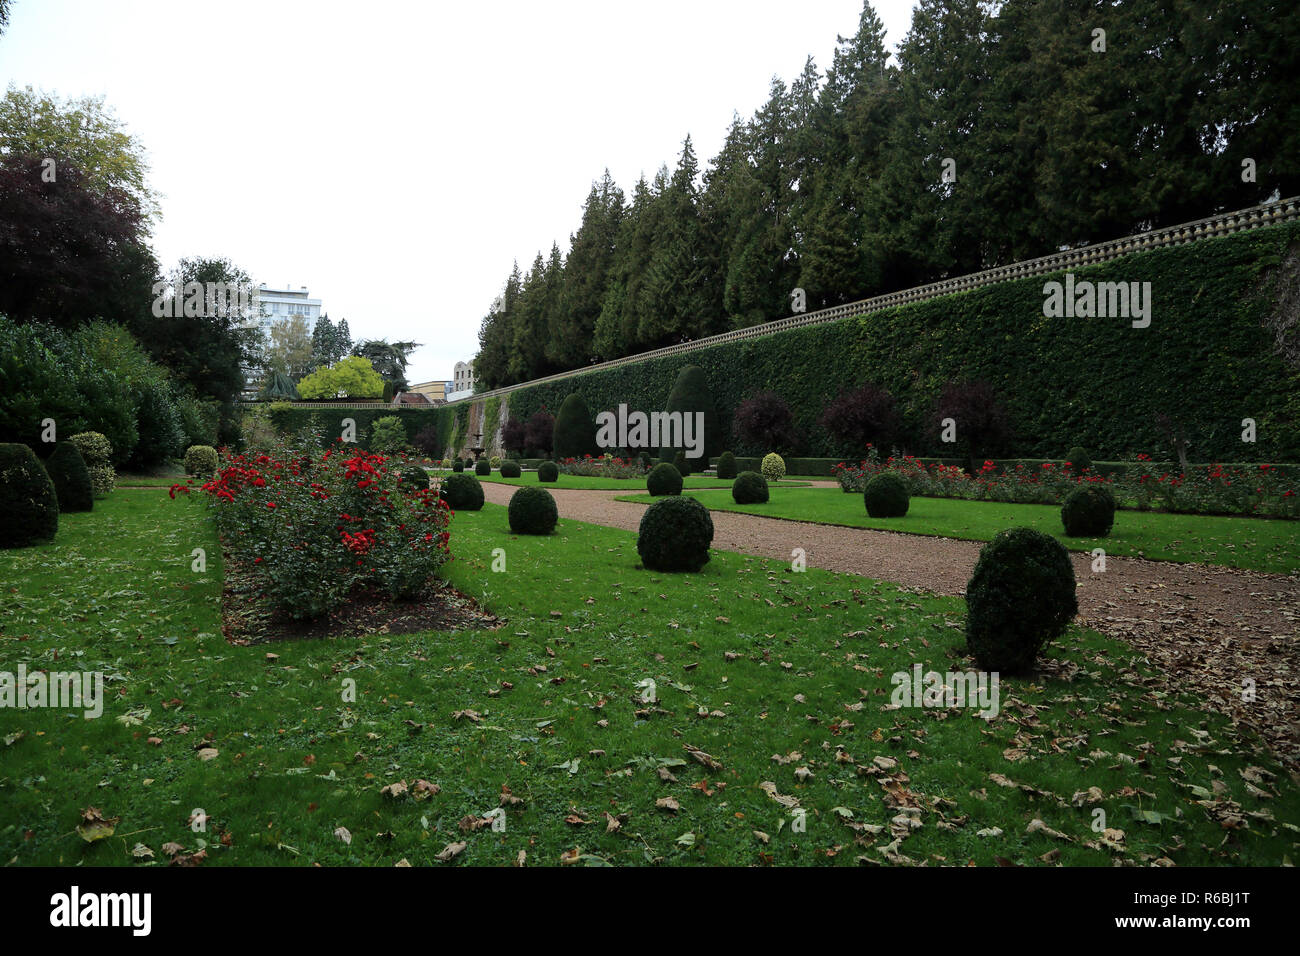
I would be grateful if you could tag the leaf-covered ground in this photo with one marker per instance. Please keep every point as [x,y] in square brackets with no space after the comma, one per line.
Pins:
[770,737]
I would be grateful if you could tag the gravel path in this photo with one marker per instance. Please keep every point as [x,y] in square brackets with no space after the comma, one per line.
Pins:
[1204,626]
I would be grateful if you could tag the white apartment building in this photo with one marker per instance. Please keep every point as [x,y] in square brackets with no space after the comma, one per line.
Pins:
[462,383]
[276,305]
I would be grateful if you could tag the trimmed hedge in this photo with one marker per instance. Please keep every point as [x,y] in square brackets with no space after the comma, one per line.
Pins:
[67,469]
[674,535]
[664,479]
[1088,512]
[510,469]
[885,496]
[726,465]
[462,492]
[1092,382]
[29,505]
[749,488]
[532,511]
[458,466]
[482,468]
[548,471]
[1021,597]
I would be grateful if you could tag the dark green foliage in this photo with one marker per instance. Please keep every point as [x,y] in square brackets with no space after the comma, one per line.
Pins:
[690,394]
[674,535]
[548,471]
[1078,460]
[278,387]
[664,479]
[414,477]
[749,488]
[67,469]
[647,460]
[201,461]
[886,496]
[726,465]
[682,464]
[510,469]
[1088,512]
[29,505]
[532,511]
[482,467]
[328,422]
[462,492]
[457,466]
[1020,598]
[575,430]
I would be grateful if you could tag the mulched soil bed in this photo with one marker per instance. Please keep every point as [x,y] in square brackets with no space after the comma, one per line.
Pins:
[248,619]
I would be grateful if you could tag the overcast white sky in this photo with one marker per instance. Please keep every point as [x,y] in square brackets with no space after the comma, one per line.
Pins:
[397,157]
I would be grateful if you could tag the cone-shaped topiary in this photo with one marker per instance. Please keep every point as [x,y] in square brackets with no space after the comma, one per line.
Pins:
[727,465]
[29,506]
[1078,460]
[201,461]
[532,511]
[575,430]
[886,496]
[674,535]
[690,394]
[1088,512]
[510,469]
[462,492]
[482,467]
[67,469]
[414,478]
[664,479]
[749,488]
[682,464]
[773,467]
[1020,598]
[548,471]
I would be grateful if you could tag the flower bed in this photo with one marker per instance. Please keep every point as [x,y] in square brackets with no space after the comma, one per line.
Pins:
[606,466]
[1209,489]
[318,525]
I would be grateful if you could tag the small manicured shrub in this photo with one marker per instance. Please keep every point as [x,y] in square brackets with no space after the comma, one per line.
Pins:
[749,488]
[29,505]
[664,479]
[201,461]
[773,467]
[413,476]
[97,452]
[727,465]
[457,466]
[1078,460]
[1020,598]
[532,511]
[482,467]
[682,464]
[462,492]
[510,469]
[1088,512]
[67,469]
[674,535]
[495,461]
[548,471]
[886,496]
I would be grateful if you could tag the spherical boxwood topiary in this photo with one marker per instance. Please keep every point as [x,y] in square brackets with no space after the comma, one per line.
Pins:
[1020,598]
[457,466]
[749,488]
[482,467]
[495,461]
[532,511]
[682,464]
[67,469]
[413,477]
[773,467]
[1088,512]
[510,469]
[727,465]
[664,479]
[548,471]
[1078,460]
[201,461]
[29,506]
[675,535]
[886,496]
[462,492]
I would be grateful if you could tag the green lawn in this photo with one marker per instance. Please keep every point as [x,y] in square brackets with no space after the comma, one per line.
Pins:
[811,658]
[1255,544]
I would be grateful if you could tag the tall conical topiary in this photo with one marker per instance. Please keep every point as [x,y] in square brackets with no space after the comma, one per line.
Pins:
[67,469]
[575,430]
[29,506]
[690,394]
